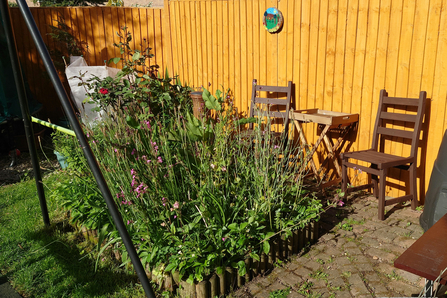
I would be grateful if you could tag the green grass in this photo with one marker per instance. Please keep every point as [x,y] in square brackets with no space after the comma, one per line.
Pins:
[52,261]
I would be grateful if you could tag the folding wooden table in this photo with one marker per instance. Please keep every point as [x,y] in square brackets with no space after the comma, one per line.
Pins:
[328,120]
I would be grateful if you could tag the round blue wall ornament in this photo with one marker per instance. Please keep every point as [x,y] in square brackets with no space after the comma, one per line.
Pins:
[273,20]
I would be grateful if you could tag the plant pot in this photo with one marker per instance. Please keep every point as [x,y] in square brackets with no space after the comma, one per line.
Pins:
[62,159]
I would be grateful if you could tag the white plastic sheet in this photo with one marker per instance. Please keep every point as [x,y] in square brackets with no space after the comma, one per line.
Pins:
[79,66]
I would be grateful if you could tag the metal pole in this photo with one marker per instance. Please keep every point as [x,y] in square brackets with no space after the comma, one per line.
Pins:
[91,160]
[17,72]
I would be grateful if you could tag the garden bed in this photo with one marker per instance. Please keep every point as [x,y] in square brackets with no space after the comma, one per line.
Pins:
[203,205]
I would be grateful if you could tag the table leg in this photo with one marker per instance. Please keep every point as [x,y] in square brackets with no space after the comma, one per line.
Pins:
[331,154]
[305,145]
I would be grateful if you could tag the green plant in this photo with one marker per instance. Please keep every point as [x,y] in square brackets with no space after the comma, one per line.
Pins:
[305,289]
[347,274]
[347,224]
[279,293]
[319,274]
[420,208]
[394,276]
[12,4]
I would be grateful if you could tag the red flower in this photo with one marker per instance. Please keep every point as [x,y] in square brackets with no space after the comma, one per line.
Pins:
[103,91]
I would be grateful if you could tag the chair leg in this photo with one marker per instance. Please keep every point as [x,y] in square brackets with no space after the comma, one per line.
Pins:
[413,186]
[382,186]
[375,181]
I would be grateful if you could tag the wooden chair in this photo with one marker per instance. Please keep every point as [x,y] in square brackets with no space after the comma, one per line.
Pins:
[381,162]
[271,101]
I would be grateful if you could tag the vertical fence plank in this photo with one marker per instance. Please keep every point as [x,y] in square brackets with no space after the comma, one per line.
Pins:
[359,63]
[220,45]
[238,58]
[330,56]
[226,46]
[339,64]
[369,71]
[296,53]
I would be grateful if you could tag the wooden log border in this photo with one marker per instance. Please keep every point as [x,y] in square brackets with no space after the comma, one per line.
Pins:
[221,284]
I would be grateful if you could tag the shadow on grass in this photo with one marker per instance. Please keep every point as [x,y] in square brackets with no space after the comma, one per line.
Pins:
[68,269]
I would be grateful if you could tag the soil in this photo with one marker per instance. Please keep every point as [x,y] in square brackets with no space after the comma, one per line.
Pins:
[22,168]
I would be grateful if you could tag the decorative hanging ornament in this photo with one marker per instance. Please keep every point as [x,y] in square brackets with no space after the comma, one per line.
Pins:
[273,20]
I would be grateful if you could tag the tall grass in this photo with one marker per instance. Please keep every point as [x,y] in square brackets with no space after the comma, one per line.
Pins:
[198,195]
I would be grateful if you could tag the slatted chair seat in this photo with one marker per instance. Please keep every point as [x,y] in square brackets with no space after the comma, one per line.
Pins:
[273,102]
[379,161]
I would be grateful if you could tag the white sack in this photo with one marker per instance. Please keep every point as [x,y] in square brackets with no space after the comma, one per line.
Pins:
[79,66]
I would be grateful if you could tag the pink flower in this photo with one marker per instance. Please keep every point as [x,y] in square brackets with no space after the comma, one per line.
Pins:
[340,203]
[129,222]
[175,216]
[132,172]
[160,160]
[176,205]
[224,169]
[212,166]
[133,151]
[224,238]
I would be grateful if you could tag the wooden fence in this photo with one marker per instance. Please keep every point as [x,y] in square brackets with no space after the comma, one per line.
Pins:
[338,53]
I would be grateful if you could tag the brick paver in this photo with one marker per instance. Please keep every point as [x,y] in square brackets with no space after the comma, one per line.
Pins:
[356,261]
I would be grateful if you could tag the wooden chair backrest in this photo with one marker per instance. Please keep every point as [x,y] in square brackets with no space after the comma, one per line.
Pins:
[411,122]
[276,97]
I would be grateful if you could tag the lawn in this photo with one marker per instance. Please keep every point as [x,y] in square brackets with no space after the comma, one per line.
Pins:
[52,261]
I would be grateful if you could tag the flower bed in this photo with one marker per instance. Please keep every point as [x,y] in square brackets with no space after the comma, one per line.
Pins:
[198,197]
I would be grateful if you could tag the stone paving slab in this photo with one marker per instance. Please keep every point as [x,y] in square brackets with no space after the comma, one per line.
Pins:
[353,257]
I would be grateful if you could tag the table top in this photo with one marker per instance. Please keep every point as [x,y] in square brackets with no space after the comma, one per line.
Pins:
[427,257]
[324,117]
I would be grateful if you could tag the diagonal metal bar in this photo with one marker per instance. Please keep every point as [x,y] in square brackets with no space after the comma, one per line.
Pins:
[90,157]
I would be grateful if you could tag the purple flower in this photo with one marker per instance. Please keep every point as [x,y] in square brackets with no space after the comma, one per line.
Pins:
[160,160]
[133,151]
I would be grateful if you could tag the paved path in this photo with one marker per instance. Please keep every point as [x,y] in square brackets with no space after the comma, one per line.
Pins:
[6,291]
[353,257]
